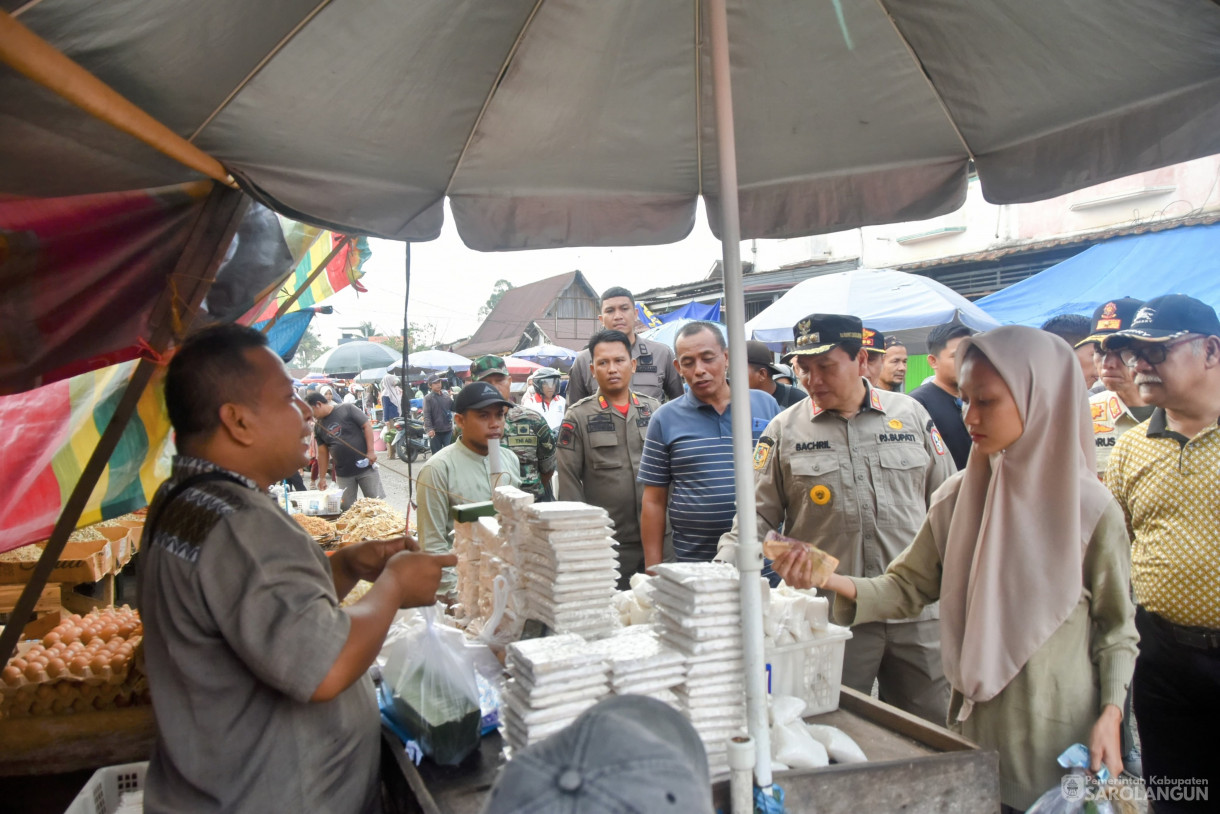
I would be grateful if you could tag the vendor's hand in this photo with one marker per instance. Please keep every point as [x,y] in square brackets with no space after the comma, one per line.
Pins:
[431,433]
[1105,743]
[372,458]
[418,576]
[322,484]
[367,560]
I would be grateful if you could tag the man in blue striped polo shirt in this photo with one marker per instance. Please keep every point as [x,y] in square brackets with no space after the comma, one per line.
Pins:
[687,465]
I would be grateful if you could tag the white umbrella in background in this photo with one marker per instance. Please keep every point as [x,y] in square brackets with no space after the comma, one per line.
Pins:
[884,299]
[548,355]
[667,332]
[437,360]
[575,124]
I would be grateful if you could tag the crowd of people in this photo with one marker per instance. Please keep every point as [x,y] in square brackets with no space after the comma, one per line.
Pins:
[1026,542]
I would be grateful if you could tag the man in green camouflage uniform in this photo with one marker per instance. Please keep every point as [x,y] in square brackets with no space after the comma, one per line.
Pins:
[526,432]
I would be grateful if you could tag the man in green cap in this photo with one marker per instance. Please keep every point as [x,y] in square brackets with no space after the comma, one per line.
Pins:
[526,432]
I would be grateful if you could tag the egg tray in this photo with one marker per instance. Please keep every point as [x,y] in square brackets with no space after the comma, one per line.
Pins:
[108,675]
[60,697]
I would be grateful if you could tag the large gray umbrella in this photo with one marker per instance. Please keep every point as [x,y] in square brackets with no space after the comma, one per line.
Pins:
[350,358]
[572,122]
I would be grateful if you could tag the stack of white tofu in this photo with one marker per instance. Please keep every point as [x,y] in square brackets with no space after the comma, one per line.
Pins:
[699,614]
[641,664]
[569,568]
[551,681]
[469,557]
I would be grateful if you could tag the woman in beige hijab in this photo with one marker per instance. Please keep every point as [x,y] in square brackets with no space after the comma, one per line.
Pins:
[1029,557]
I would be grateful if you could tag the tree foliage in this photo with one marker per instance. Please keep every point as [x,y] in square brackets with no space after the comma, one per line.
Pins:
[497,291]
[423,336]
[311,348]
[368,329]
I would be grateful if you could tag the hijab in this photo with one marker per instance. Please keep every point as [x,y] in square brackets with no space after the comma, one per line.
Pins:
[1015,541]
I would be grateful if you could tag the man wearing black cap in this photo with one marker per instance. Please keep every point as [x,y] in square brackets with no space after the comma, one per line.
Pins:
[852,471]
[1165,474]
[874,363]
[461,473]
[1118,405]
[763,372]
[894,365]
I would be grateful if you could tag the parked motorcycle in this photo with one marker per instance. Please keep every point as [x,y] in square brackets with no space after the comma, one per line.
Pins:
[410,440]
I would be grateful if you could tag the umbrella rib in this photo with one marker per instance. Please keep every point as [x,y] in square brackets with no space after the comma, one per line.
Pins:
[23,9]
[924,73]
[508,59]
[279,46]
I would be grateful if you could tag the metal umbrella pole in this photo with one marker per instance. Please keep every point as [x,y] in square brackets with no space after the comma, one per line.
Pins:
[749,549]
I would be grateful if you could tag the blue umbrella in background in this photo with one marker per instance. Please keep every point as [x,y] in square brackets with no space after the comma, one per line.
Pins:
[549,356]
[668,332]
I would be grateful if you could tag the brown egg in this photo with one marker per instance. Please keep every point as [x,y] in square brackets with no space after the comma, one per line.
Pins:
[56,668]
[51,638]
[11,676]
[19,663]
[34,672]
[78,666]
[108,631]
[98,664]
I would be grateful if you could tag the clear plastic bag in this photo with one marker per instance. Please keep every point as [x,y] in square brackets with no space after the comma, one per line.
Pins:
[1074,795]
[435,692]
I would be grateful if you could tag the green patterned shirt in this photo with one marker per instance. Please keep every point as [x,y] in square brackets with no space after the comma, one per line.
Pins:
[528,435]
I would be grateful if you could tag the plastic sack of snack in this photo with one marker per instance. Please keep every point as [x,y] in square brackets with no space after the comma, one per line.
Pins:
[818,564]
[435,693]
[839,745]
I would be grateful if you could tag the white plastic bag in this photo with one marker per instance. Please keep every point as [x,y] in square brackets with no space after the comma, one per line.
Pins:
[839,745]
[435,693]
[793,746]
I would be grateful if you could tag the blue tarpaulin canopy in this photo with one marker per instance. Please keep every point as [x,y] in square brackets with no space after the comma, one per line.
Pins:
[695,310]
[286,335]
[1185,260]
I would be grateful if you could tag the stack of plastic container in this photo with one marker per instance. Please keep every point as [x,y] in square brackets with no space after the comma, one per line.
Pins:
[551,681]
[569,568]
[699,613]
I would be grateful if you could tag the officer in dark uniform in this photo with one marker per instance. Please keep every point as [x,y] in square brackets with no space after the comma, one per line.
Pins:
[655,374]
[601,440]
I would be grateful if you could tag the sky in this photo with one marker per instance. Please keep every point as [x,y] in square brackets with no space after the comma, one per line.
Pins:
[449,282]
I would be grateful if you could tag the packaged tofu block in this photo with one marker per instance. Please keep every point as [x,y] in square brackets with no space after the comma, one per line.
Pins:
[575,678]
[839,745]
[699,575]
[552,653]
[515,694]
[700,647]
[635,653]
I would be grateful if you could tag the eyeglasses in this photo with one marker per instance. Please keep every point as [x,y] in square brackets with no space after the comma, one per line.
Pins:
[1152,354]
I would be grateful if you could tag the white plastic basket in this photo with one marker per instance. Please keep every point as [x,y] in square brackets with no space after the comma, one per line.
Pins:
[811,670]
[101,794]
[309,502]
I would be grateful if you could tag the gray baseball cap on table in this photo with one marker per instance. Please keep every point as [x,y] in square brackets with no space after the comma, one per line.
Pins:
[628,754]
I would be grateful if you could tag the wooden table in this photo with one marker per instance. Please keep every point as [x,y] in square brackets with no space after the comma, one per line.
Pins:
[914,767]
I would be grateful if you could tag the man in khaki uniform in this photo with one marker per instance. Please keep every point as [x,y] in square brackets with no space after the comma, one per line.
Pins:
[601,440]
[655,374]
[1119,407]
[852,472]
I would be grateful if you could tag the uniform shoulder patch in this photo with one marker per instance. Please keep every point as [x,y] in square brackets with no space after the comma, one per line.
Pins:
[938,443]
[762,452]
[566,432]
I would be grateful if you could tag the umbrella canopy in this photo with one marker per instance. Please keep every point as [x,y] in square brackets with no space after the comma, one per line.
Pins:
[436,360]
[667,333]
[548,355]
[884,299]
[373,375]
[350,358]
[593,123]
[519,369]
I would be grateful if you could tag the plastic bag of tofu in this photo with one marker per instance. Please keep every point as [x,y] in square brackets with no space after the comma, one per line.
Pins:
[435,692]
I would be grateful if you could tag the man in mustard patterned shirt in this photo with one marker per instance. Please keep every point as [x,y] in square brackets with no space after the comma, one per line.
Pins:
[1166,476]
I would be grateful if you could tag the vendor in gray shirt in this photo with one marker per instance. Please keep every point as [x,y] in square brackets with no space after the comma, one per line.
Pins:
[258,677]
